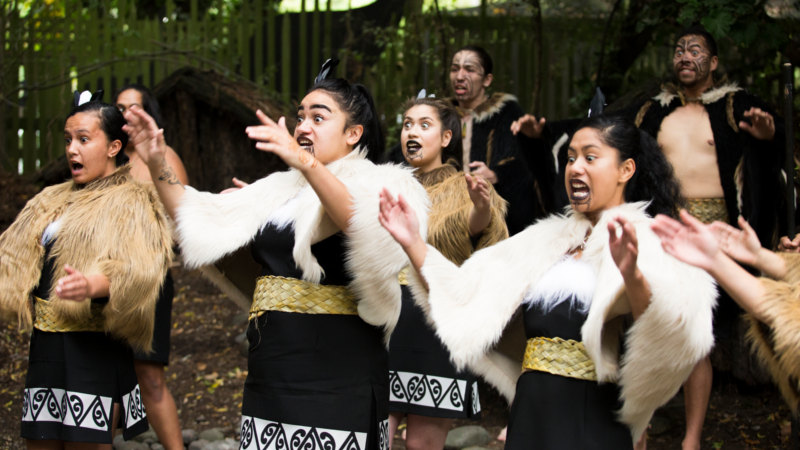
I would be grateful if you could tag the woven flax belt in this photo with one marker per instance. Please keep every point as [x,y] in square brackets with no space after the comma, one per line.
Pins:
[708,210]
[402,277]
[563,357]
[48,320]
[298,296]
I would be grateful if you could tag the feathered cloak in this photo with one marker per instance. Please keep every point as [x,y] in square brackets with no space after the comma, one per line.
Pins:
[471,305]
[114,226]
[210,226]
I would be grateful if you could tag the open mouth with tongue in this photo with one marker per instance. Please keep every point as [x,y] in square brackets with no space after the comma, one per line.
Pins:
[579,191]
[306,144]
[460,88]
[413,149]
[75,168]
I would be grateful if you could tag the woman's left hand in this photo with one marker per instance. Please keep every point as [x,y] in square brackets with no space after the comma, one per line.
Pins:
[624,245]
[275,138]
[73,286]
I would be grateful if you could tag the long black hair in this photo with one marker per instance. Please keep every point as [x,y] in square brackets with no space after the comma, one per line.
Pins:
[450,120]
[654,179]
[111,122]
[356,101]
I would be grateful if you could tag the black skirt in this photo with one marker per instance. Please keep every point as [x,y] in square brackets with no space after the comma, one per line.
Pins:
[422,380]
[316,381]
[73,381]
[162,326]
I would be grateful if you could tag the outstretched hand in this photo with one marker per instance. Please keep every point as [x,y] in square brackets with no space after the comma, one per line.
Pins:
[145,136]
[740,244]
[691,241]
[761,126]
[789,245]
[528,125]
[275,138]
[624,245]
[399,219]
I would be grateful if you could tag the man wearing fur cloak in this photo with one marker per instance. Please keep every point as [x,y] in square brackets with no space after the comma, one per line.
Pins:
[725,149]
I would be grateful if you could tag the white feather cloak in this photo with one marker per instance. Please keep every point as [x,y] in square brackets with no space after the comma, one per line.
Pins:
[471,305]
[210,226]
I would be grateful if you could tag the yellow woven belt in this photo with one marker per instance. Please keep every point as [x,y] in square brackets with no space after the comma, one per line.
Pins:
[708,210]
[563,357]
[402,277]
[48,320]
[298,296]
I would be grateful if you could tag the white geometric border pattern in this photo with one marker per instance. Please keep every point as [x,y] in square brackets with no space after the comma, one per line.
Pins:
[260,434]
[432,391]
[74,409]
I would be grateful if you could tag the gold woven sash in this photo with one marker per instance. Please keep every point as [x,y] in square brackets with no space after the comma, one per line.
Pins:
[402,277]
[708,210]
[48,320]
[298,296]
[564,357]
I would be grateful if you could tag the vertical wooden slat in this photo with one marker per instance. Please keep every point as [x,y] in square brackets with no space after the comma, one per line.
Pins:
[302,61]
[258,38]
[316,59]
[286,61]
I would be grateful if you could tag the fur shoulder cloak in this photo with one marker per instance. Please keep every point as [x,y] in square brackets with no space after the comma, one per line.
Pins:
[210,226]
[448,220]
[471,305]
[778,345]
[114,226]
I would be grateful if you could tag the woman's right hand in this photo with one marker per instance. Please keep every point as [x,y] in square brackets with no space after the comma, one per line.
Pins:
[528,125]
[237,184]
[691,241]
[145,136]
[789,245]
[399,220]
[740,244]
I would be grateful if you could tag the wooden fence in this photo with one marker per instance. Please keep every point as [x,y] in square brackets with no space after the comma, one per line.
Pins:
[61,46]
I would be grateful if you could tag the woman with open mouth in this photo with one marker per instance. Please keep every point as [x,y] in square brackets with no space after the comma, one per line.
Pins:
[82,264]
[328,297]
[614,324]
[466,214]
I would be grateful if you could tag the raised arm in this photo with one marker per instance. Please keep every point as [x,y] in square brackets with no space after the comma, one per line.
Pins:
[694,243]
[401,222]
[148,142]
[624,248]
[481,213]
[275,138]
[743,246]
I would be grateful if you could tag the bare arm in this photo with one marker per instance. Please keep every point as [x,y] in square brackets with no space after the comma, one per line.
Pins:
[148,142]
[481,213]
[401,222]
[333,194]
[743,246]
[625,252]
[77,286]
[694,243]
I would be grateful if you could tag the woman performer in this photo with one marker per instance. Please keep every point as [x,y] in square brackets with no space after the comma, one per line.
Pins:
[772,302]
[149,366]
[83,263]
[615,324]
[466,213]
[317,368]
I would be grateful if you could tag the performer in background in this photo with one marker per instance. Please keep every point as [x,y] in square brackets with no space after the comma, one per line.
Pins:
[329,297]
[83,263]
[466,214]
[613,330]
[149,366]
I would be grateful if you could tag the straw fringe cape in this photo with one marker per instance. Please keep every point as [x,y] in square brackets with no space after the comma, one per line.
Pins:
[114,226]
[778,346]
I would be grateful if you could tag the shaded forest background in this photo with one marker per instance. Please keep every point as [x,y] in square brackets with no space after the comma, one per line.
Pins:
[549,53]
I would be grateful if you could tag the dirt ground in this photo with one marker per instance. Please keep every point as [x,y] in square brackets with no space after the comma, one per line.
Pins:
[207,372]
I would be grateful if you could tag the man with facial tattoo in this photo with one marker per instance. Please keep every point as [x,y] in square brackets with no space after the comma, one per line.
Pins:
[726,151]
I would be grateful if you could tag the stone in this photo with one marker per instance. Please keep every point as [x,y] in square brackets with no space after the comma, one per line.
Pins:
[148,437]
[212,435]
[200,444]
[131,445]
[156,446]
[189,436]
[467,436]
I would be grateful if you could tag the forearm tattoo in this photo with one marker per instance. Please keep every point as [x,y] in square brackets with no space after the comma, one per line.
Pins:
[167,174]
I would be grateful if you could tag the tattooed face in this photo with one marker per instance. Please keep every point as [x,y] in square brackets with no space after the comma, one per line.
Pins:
[692,61]
[468,79]
[322,127]
[89,152]
[594,176]
[422,138]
